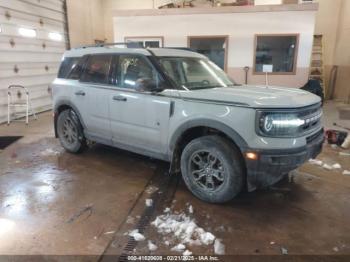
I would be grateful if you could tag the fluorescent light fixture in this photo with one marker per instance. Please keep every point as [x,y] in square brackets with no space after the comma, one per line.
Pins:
[27,32]
[6,225]
[55,36]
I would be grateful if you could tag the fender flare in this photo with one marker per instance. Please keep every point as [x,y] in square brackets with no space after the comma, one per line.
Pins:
[228,131]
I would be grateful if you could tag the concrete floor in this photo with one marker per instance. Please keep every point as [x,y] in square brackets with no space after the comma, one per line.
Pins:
[55,203]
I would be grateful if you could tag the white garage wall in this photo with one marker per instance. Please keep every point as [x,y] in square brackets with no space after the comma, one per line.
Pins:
[241,28]
[37,59]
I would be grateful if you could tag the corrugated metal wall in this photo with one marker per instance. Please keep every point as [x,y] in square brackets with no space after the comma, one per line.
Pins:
[31,61]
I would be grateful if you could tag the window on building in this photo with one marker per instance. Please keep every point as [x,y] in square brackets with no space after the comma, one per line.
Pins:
[280,51]
[213,47]
[145,42]
[97,69]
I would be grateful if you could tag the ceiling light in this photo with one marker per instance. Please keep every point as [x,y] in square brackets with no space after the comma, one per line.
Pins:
[55,36]
[6,225]
[27,32]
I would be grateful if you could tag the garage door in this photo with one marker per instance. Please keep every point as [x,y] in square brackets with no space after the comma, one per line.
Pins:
[33,37]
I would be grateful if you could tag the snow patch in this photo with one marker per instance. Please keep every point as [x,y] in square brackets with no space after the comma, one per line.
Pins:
[190,209]
[336,166]
[316,162]
[327,167]
[207,238]
[344,154]
[149,202]
[167,210]
[179,248]
[130,220]
[346,173]
[50,152]
[183,229]
[110,232]
[151,246]
[219,247]
[284,251]
[136,235]
[187,253]
[151,189]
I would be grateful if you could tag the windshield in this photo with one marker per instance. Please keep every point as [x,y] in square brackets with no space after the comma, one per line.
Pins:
[194,73]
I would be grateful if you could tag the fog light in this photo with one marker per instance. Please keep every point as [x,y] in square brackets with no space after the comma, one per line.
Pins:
[251,155]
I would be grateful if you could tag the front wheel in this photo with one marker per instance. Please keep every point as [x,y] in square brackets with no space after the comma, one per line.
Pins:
[212,169]
[70,132]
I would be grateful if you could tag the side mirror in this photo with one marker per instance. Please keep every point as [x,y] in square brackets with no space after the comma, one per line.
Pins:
[147,85]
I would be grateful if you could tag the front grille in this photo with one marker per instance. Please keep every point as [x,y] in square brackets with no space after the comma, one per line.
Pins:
[312,138]
[312,117]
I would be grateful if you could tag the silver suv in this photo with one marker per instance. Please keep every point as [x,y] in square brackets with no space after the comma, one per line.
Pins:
[178,106]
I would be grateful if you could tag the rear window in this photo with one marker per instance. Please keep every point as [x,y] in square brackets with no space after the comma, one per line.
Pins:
[97,69]
[67,65]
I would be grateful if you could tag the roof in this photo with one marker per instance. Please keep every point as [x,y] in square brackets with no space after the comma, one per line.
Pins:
[77,52]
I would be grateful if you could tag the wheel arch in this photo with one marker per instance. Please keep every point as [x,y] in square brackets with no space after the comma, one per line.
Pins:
[60,107]
[197,128]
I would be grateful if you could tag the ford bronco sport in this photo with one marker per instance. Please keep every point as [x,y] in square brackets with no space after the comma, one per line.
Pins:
[178,106]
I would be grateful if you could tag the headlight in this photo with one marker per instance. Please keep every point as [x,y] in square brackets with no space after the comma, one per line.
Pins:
[279,124]
[288,123]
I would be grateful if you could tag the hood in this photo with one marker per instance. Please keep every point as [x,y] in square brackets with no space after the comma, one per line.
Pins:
[256,96]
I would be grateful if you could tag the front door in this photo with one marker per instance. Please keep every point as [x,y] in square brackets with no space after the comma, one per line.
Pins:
[139,120]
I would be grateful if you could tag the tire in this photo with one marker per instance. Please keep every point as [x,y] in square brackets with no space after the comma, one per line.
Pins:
[70,132]
[212,169]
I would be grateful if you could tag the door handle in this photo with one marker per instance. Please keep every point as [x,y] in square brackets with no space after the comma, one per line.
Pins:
[120,98]
[80,93]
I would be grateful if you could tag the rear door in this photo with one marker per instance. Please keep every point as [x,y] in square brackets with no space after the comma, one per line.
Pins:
[139,120]
[92,94]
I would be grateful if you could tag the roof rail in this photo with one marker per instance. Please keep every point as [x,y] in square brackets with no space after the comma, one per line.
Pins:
[126,44]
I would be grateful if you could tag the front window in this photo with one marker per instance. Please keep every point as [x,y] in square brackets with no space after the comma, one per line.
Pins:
[194,73]
[134,70]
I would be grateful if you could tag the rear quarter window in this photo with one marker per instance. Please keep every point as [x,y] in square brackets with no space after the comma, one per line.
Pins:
[67,66]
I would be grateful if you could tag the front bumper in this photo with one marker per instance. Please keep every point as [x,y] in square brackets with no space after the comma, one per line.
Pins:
[273,165]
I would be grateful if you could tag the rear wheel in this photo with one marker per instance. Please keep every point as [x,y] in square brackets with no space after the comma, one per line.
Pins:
[212,169]
[70,132]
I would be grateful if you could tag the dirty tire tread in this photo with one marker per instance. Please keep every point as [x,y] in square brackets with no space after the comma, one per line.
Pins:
[81,144]
[232,161]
